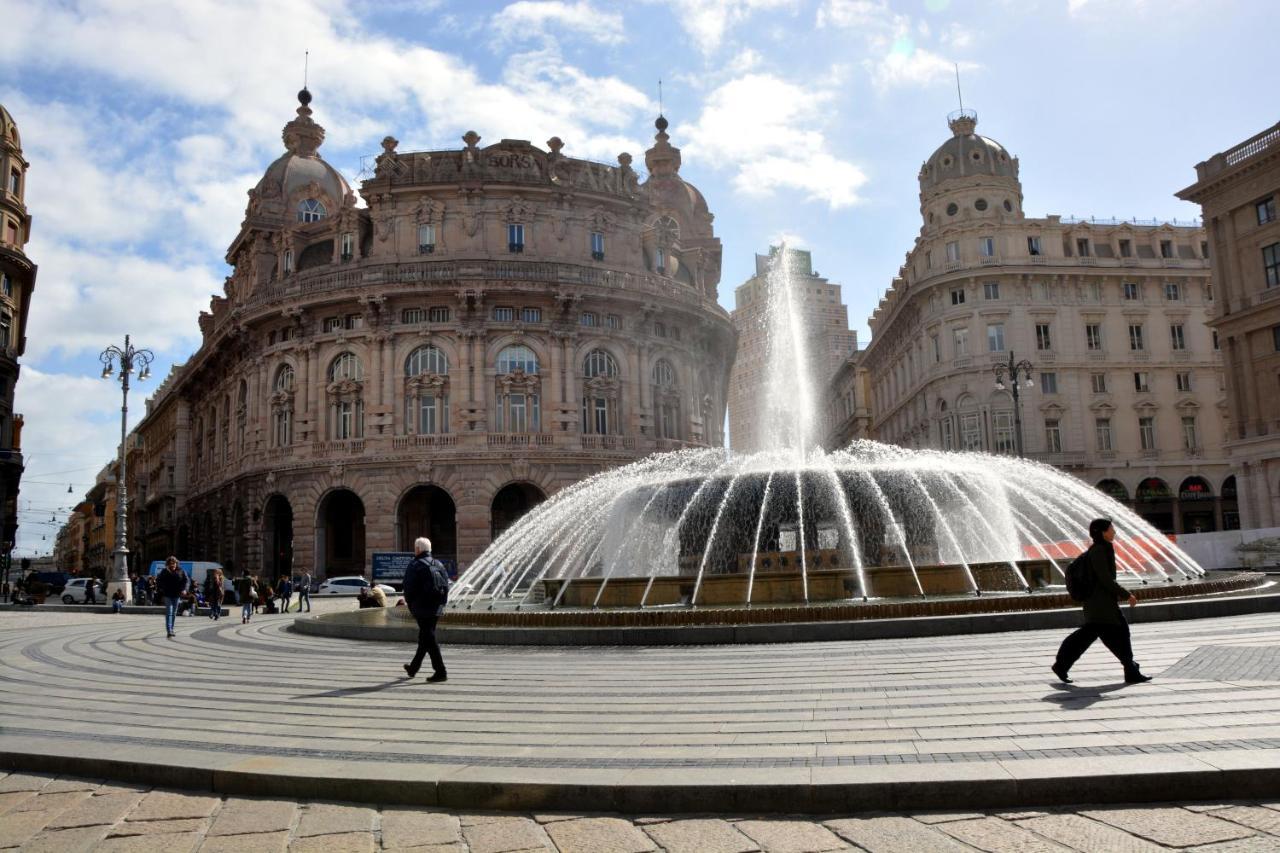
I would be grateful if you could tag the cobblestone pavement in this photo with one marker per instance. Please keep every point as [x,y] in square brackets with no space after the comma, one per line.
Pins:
[62,813]
[234,697]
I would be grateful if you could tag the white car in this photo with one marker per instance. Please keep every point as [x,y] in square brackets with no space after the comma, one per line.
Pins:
[74,592]
[349,586]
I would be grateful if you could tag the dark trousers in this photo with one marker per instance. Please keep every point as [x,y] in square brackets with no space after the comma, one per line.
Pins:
[1114,637]
[427,645]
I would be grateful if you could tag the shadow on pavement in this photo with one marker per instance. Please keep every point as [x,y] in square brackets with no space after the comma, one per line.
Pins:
[1074,697]
[357,691]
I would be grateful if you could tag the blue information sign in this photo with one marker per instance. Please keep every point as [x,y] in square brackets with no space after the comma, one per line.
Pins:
[389,566]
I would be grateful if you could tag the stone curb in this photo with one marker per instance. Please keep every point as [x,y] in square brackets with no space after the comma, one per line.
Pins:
[353,626]
[991,785]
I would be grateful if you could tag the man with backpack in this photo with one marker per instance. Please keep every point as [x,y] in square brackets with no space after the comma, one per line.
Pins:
[1091,580]
[426,590]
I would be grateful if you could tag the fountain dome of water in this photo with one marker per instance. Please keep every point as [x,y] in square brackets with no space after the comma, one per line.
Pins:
[796,524]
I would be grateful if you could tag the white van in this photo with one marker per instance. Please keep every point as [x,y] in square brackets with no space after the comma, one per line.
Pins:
[197,571]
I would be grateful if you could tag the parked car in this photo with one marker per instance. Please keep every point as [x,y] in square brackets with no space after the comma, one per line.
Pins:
[74,591]
[349,586]
[55,581]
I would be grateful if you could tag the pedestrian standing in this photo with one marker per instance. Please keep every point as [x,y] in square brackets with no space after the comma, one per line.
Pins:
[304,591]
[285,589]
[426,591]
[1103,618]
[213,593]
[90,590]
[247,592]
[171,584]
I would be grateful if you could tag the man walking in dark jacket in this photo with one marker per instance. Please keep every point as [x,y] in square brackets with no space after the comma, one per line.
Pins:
[171,584]
[1103,618]
[426,590]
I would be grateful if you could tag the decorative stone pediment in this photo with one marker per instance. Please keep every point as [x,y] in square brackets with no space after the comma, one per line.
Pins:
[1102,408]
[601,386]
[430,211]
[345,388]
[517,381]
[426,385]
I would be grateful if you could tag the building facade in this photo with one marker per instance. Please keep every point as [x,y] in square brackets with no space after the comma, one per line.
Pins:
[847,417]
[825,319]
[17,281]
[1127,381]
[1239,193]
[500,322]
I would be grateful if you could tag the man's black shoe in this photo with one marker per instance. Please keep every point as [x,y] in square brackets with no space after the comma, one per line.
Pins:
[1136,678]
[1061,673]
[410,672]
[438,676]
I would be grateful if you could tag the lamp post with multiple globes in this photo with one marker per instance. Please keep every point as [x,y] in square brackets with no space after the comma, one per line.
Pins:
[129,359]
[1017,373]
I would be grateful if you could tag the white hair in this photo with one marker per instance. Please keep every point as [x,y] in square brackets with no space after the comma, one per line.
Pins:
[422,545]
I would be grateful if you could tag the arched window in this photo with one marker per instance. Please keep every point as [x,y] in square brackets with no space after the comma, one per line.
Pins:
[427,390]
[242,415]
[666,399]
[310,210]
[600,394]
[282,408]
[346,397]
[519,406]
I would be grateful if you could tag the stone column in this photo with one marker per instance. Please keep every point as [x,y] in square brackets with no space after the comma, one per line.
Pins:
[315,385]
[302,392]
[390,370]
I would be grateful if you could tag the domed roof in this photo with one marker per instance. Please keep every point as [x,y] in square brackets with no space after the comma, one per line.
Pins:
[9,128]
[966,155]
[301,165]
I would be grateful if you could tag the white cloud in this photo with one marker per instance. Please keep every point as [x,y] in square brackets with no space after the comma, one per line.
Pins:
[767,130]
[536,18]
[914,66]
[848,14]
[707,21]
[896,59]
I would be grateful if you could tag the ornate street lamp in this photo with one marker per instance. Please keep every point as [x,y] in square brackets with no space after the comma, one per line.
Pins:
[1018,373]
[129,358]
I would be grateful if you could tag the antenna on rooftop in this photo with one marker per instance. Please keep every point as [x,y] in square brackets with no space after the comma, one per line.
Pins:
[306,62]
[958,93]
[660,111]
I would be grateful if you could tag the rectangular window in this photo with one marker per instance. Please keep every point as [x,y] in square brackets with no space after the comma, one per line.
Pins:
[1215,340]
[1099,382]
[1184,382]
[1275,338]
[331,324]
[6,284]
[1048,383]
[288,260]
[438,314]
[1172,292]
[1266,210]
[1095,291]
[1141,381]
[937,349]
[1082,247]
[1190,440]
[426,239]
[960,341]
[613,321]
[991,290]
[597,245]
[1208,293]
[957,296]
[953,251]
[928,260]
[987,247]
[948,434]
[588,318]
[1033,246]
[1126,249]
[353,321]
[1271,264]
[348,245]
[1003,423]
[15,180]
[6,331]
[1052,437]
[1166,248]
[1204,249]
[413,315]
[1102,434]
[1130,291]
[659,330]
[1147,433]
[995,337]
[515,238]
[970,432]
[1136,342]
[660,261]
[1044,340]
[1177,338]
[1093,336]
[530,315]
[504,314]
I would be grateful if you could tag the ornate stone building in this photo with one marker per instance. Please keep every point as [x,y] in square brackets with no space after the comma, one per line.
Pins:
[826,318]
[847,397]
[17,281]
[1239,192]
[500,322]
[1127,384]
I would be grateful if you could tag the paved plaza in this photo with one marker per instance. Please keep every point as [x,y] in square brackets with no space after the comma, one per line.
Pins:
[960,723]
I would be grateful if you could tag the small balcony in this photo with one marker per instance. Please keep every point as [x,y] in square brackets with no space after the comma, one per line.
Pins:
[608,442]
[426,248]
[520,439]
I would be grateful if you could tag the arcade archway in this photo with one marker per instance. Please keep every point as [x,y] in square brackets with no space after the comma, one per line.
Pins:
[340,534]
[277,538]
[510,503]
[429,511]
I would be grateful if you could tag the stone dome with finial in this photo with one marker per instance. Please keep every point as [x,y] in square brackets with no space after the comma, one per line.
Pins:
[300,176]
[966,155]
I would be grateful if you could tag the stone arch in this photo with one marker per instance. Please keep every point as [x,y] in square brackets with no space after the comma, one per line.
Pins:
[237,551]
[277,536]
[1113,488]
[340,529]
[510,503]
[533,342]
[428,509]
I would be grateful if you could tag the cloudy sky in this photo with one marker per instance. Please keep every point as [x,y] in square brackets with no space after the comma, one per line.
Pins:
[146,123]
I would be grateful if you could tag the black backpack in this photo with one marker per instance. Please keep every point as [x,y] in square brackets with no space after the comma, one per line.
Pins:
[1080,579]
[439,581]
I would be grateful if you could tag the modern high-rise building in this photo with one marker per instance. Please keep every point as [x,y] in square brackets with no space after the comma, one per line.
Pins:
[17,280]
[825,319]
[1126,382]
[1239,193]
